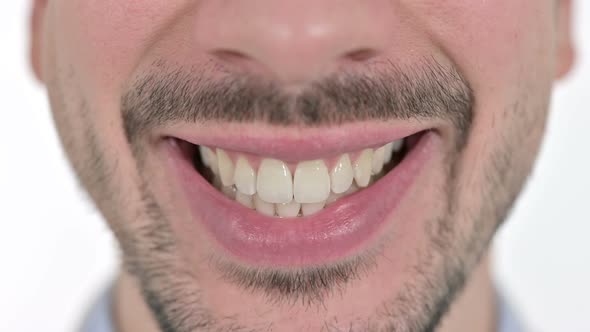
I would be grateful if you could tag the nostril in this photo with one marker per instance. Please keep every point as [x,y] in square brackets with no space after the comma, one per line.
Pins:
[361,54]
[230,56]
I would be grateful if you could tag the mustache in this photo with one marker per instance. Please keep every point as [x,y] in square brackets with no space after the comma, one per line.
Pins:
[166,95]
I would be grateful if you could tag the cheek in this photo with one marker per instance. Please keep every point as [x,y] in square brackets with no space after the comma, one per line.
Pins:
[491,41]
[91,48]
[103,40]
[505,49]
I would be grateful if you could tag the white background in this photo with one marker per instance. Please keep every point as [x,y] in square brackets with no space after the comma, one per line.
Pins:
[56,253]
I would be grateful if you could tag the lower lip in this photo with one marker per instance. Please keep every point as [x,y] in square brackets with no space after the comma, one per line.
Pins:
[336,232]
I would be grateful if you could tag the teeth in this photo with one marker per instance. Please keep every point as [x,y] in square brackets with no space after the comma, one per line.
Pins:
[392,148]
[311,208]
[334,197]
[342,175]
[226,168]
[217,183]
[363,167]
[312,182]
[388,153]
[245,200]
[378,159]
[209,158]
[264,207]
[245,177]
[396,146]
[273,191]
[288,210]
[229,191]
[274,182]
[352,190]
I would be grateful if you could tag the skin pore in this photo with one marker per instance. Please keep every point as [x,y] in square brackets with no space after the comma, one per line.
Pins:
[123,75]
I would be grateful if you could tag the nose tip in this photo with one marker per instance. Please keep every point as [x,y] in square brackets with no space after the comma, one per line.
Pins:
[291,41]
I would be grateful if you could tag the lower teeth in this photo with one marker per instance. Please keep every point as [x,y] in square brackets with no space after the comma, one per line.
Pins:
[282,210]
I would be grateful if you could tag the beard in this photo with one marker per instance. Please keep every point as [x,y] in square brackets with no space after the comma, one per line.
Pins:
[429,90]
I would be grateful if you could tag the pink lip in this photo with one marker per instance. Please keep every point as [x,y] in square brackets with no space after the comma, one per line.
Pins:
[339,230]
[292,144]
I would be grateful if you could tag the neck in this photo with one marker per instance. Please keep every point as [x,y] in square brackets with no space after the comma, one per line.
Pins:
[473,310]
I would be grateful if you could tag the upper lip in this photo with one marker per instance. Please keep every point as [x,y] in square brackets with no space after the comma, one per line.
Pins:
[292,144]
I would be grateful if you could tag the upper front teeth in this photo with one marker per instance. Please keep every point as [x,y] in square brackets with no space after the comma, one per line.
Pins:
[226,168]
[272,189]
[274,182]
[311,182]
[245,177]
[342,175]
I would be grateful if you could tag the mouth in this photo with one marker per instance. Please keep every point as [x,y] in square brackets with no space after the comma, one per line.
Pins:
[287,190]
[297,202]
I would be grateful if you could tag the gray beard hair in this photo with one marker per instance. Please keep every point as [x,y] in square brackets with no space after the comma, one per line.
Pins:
[175,299]
[172,292]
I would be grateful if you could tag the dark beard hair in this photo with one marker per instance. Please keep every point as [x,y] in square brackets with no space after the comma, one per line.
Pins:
[424,91]
[168,95]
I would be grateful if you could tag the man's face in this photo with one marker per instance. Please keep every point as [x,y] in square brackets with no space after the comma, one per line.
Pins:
[301,165]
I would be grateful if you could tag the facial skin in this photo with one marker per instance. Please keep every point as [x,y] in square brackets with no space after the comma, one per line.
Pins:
[125,76]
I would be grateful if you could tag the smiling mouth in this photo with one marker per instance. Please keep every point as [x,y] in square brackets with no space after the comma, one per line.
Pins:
[283,189]
[271,199]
